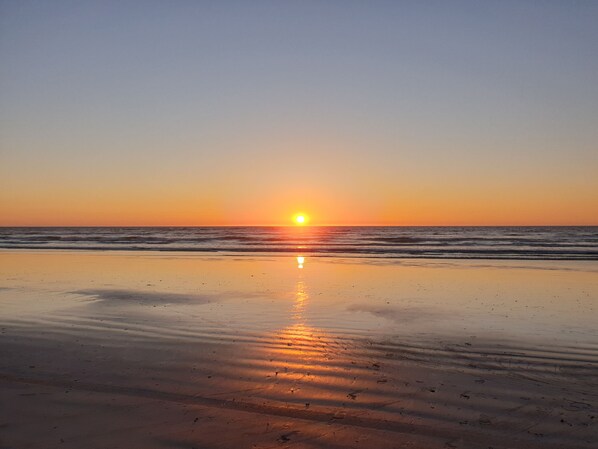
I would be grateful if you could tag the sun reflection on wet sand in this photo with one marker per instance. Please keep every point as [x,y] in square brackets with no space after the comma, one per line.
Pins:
[300,339]
[298,331]
[310,367]
[301,299]
[300,261]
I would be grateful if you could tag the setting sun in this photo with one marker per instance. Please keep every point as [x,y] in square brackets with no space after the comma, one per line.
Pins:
[327,223]
[300,219]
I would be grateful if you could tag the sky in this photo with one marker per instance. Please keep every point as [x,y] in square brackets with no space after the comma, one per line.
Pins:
[245,113]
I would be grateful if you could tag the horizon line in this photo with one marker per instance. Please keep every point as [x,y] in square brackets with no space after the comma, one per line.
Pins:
[315,226]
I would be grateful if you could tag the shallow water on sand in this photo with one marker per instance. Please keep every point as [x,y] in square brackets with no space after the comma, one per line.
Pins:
[171,350]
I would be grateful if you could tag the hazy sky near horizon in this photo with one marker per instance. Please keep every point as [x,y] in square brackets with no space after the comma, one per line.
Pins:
[245,112]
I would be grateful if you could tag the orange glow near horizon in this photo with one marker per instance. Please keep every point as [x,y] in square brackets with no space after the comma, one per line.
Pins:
[65,204]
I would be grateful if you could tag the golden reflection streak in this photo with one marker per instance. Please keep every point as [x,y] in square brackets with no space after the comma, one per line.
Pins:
[301,299]
[299,336]
[300,261]
[303,351]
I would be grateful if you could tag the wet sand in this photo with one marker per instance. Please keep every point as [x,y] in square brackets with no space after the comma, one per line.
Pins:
[104,350]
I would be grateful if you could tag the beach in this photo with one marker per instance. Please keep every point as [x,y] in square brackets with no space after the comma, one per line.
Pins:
[303,225]
[162,349]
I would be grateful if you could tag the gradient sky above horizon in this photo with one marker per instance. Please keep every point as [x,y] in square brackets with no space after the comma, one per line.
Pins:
[234,112]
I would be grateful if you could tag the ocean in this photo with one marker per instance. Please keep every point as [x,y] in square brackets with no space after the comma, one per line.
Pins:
[535,243]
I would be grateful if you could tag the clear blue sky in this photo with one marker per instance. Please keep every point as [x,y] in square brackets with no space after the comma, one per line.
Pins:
[189,112]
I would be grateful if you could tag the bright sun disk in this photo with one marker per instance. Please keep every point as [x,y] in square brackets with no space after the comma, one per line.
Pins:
[300,219]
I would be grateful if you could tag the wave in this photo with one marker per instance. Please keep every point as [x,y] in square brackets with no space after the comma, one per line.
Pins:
[542,243]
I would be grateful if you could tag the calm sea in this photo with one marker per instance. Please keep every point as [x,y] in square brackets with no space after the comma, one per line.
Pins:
[542,243]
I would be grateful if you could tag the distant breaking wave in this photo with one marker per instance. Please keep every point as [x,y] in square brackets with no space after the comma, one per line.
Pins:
[536,243]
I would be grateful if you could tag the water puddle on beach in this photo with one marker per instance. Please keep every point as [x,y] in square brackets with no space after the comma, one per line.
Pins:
[171,350]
